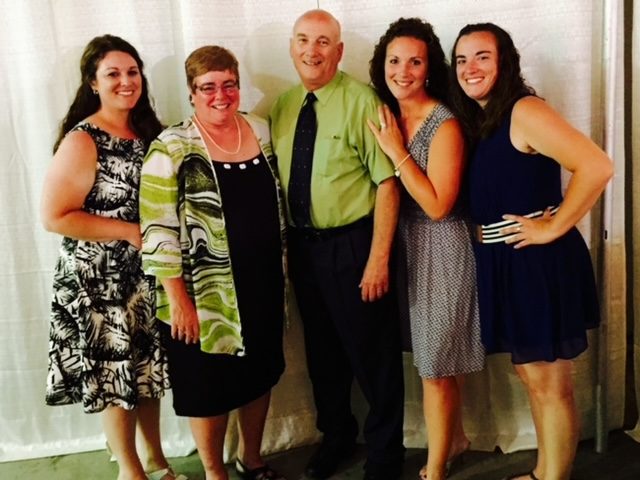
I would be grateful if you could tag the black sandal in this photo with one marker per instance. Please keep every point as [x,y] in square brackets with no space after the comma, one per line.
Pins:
[261,473]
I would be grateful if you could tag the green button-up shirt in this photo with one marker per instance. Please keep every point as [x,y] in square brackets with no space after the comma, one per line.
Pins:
[348,164]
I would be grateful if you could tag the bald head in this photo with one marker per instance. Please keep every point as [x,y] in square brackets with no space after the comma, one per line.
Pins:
[322,16]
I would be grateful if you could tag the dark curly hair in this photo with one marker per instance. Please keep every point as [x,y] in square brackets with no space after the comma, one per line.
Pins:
[437,67]
[142,119]
[510,86]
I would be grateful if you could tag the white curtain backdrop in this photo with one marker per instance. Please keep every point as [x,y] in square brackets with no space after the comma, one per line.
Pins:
[561,44]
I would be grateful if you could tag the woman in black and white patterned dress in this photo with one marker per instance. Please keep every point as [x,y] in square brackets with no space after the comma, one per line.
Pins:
[424,141]
[104,345]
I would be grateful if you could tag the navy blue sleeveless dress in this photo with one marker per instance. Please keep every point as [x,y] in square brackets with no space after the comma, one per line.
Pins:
[538,301]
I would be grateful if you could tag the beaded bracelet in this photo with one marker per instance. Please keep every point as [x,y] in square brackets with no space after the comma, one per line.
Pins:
[396,170]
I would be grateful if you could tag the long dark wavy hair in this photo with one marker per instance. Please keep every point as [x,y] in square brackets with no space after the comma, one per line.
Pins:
[142,118]
[437,67]
[510,86]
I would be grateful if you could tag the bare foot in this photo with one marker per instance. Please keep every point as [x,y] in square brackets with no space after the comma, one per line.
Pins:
[458,447]
[423,473]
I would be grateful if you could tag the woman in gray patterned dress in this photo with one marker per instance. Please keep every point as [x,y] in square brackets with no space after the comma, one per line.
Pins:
[424,141]
[104,345]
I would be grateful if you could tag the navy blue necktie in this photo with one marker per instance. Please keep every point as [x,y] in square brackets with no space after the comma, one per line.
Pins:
[301,164]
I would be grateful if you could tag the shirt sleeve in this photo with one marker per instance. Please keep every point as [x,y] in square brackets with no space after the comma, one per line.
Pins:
[160,225]
[378,164]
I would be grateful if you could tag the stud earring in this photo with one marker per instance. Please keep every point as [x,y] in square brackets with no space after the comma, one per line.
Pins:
[95,92]
[426,83]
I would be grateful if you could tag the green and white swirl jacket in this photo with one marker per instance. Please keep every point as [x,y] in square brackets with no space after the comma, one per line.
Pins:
[183,230]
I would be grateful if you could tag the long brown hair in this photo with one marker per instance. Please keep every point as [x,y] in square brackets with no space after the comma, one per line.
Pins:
[142,118]
[510,86]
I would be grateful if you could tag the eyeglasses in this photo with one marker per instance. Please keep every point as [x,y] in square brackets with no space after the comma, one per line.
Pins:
[228,87]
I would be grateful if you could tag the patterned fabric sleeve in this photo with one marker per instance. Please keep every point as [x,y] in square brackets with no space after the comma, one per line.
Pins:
[183,235]
[161,253]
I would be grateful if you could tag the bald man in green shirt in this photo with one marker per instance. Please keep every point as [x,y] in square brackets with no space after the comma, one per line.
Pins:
[343,205]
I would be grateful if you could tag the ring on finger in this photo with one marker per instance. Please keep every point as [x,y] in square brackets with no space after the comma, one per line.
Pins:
[383,125]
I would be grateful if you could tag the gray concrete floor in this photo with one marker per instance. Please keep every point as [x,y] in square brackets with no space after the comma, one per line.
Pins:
[621,461]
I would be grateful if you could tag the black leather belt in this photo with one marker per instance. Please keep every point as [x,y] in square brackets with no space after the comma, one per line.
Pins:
[318,234]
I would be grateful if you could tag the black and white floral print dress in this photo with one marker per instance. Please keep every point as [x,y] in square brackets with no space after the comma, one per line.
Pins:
[104,345]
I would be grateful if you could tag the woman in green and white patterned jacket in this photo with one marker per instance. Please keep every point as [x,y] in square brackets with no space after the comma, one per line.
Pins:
[213,236]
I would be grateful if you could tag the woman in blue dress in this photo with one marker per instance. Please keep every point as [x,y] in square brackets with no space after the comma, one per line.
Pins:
[536,285]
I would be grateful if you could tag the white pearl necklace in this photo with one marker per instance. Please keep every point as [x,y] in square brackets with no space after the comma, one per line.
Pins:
[235,117]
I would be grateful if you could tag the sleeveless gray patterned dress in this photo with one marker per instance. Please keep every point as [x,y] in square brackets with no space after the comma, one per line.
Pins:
[104,344]
[440,277]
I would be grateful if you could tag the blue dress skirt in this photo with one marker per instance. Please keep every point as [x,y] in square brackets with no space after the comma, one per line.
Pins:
[538,301]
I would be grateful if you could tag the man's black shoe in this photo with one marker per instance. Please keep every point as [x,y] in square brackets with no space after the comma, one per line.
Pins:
[325,460]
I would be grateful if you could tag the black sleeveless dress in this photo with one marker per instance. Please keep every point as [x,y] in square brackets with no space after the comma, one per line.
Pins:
[207,384]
